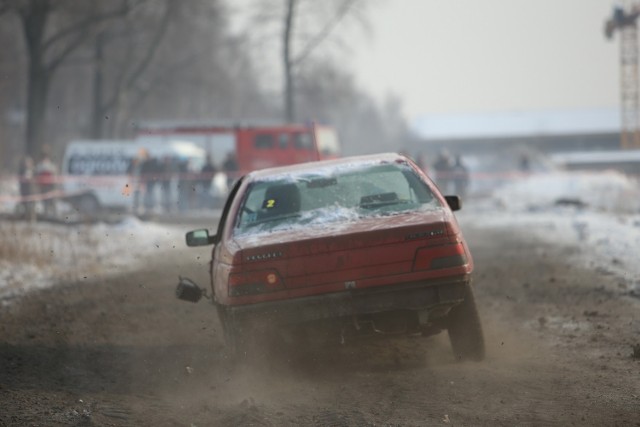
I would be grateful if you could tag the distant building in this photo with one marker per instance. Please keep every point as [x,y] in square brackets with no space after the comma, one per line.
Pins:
[496,145]
[549,132]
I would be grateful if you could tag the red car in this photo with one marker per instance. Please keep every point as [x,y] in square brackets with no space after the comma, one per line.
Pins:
[349,246]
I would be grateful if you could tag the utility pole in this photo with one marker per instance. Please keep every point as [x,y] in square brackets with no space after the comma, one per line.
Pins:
[624,21]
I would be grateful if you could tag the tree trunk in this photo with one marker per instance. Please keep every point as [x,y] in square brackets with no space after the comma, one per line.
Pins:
[289,108]
[36,108]
[97,127]
[34,21]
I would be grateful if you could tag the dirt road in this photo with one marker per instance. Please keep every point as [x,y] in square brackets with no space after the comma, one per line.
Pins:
[123,351]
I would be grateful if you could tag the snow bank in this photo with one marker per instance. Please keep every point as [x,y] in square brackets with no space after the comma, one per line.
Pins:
[40,255]
[605,230]
[603,226]
[603,241]
[8,193]
[607,191]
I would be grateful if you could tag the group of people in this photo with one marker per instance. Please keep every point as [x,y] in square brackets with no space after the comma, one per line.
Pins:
[180,185]
[450,172]
[166,184]
[158,178]
[37,179]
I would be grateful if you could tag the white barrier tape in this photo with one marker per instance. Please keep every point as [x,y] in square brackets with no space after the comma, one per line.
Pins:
[159,178]
[479,176]
[107,179]
[49,195]
[130,184]
[127,183]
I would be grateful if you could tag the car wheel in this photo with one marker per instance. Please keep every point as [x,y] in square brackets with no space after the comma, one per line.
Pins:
[88,205]
[233,334]
[465,330]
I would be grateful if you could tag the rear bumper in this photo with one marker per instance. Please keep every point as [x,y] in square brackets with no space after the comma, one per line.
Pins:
[441,293]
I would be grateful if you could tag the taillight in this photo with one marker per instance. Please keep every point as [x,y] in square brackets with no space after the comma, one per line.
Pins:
[254,282]
[448,261]
[437,257]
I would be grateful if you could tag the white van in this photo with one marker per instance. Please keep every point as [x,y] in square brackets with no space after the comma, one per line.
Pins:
[102,169]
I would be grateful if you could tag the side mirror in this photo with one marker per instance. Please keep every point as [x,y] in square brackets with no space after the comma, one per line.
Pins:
[454,202]
[189,291]
[199,238]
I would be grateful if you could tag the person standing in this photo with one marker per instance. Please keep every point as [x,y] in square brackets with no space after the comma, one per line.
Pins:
[45,176]
[207,172]
[149,173]
[184,185]
[230,167]
[26,171]
[460,174]
[443,170]
[524,163]
[165,173]
[136,185]
[421,162]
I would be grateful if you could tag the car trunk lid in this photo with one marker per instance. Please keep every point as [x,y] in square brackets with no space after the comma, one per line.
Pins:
[370,247]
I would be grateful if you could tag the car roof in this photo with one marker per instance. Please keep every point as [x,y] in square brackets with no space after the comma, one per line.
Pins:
[311,166]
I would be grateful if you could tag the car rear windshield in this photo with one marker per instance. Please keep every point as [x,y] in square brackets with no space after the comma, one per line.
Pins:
[340,194]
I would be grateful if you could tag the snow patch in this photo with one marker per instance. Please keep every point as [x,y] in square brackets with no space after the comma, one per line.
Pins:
[40,255]
[608,191]
[604,232]
[604,229]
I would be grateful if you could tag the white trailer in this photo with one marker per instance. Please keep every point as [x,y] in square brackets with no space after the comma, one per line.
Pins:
[101,169]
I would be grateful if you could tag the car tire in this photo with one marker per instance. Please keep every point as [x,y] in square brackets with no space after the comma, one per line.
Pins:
[88,205]
[234,339]
[465,329]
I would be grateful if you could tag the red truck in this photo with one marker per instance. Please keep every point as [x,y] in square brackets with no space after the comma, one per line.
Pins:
[239,148]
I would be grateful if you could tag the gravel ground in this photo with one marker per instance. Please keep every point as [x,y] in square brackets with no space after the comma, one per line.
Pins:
[122,351]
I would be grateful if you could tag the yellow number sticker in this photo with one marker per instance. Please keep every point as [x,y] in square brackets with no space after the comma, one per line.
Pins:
[270,203]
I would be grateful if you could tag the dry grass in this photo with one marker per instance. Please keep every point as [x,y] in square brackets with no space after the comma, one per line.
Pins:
[44,245]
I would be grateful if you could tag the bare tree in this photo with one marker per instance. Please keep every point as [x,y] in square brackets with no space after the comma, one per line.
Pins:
[292,60]
[11,89]
[201,72]
[137,39]
[301,28]
[315,85]
[159,59]
[287,60]
[53,30]
[332,96]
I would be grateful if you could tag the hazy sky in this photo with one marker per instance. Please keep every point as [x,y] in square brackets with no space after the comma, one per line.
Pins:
[450,56]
